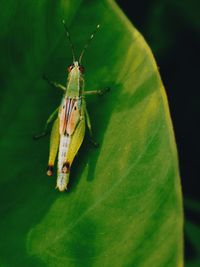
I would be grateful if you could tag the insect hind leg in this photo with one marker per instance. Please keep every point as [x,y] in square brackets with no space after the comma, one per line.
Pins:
[92,141]
[54,142]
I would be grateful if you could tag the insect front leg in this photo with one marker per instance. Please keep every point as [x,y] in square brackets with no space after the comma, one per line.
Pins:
[54,143]
[50,119]
[55,84]
[97,92]
[95,144]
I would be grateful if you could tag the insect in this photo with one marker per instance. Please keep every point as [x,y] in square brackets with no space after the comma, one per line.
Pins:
[70,118]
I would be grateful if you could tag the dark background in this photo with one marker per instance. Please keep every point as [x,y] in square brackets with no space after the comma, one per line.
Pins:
[172,30]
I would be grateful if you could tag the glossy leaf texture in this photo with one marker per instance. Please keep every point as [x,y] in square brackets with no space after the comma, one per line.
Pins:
[124,207]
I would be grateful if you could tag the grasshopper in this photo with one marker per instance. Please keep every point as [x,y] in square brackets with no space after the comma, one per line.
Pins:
[68,129]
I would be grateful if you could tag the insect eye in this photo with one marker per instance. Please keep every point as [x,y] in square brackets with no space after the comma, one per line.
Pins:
[81,68]
[70,68]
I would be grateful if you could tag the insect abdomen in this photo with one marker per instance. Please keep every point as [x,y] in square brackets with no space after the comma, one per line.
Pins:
[63,176]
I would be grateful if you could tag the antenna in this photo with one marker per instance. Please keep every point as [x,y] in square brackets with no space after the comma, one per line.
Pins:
[88,43]
[69,38]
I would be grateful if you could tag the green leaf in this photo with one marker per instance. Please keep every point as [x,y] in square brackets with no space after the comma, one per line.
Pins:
[124,207]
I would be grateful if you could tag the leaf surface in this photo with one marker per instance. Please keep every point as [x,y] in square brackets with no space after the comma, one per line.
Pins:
[124,207]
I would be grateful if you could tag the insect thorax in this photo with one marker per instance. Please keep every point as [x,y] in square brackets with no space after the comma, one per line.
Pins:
[75,82]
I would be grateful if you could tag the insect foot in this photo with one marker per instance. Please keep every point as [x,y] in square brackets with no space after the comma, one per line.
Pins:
[94,143]
[38,136]
[103,91]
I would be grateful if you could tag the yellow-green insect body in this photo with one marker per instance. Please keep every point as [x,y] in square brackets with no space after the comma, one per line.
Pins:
[69,126]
